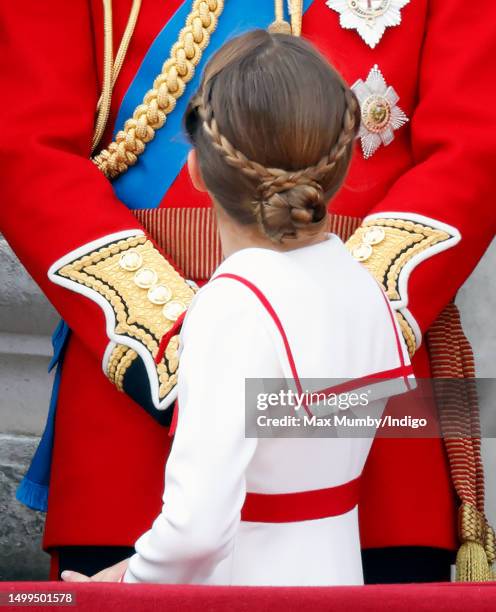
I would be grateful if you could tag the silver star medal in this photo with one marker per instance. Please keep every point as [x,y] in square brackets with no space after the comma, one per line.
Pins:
[369,18]
[380,114]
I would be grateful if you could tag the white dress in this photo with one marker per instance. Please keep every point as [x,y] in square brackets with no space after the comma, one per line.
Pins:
[311,313]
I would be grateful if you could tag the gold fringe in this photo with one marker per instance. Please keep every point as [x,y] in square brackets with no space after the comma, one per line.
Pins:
[472,564]
[475,555]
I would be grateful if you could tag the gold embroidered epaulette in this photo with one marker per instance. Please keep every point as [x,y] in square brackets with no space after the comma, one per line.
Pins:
[142,296]
[391,245]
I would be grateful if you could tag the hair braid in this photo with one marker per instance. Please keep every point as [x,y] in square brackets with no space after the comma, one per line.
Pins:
[232,156]
[270,182]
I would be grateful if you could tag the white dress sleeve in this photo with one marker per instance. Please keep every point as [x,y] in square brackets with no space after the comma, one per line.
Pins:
[222,344]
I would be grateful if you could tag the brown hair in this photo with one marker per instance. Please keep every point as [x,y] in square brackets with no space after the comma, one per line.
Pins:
[273,125]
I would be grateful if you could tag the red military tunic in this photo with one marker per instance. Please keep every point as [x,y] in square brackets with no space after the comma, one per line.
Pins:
[55,201]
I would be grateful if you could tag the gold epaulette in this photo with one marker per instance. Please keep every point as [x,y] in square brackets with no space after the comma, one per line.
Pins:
[142,296]
[391,245]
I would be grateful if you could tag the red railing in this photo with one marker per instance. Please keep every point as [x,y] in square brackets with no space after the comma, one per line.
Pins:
[93,597]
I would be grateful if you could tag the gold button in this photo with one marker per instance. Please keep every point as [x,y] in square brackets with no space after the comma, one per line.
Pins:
[374,235]
[145,278]
[173,310]
[362,252]
[159,294]
[130,260]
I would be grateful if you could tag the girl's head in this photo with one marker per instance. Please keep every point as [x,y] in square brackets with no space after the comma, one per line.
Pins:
[272,127]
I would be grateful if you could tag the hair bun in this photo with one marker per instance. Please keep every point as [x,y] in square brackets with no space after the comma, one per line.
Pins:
[284,212]
[306,204]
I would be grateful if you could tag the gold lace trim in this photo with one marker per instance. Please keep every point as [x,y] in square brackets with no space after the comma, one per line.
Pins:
[136,316]
[408,334]
[402,241]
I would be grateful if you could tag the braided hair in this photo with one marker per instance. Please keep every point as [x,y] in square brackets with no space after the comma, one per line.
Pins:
[273,125]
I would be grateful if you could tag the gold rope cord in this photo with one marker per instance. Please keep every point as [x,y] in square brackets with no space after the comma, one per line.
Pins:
[468,365]
[103,106]
[168,87]
[126,39]
[451,361]
[111,69]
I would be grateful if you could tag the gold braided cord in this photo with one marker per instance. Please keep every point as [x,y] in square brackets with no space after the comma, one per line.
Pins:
[111,72]
[126,39]
[106,96]
[167,88]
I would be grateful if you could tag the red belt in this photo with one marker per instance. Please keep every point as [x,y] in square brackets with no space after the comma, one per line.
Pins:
[302,506]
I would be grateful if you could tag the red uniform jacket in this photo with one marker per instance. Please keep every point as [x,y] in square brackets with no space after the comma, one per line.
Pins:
[55,201]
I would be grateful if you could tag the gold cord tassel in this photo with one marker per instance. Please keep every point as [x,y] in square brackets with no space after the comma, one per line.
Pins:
[453,371]
[472,564]
[475,555]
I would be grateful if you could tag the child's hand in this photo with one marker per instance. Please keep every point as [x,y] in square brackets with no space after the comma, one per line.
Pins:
[110,574]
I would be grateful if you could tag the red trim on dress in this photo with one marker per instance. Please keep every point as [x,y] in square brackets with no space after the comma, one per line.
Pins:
[357,383]
[175,416]
[166,338]
[396,335]
[403,370]
[277,321]
[301,506]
